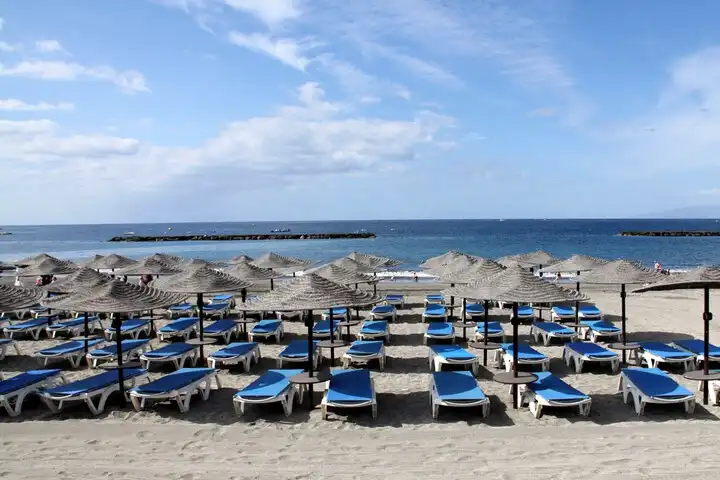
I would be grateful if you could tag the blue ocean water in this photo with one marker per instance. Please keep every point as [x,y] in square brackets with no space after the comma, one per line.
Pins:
[409,240]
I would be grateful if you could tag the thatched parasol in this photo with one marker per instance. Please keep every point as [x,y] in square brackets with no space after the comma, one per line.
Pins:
[352,265]
[199,262]
[576,263]
[149,266]
[17,298]
[375,261]
[280,262]
[443,259]
[342,275]
[48,266]
[455,265]
[115,297]
[83,279]
[34,260]
[242,258]
[111,262]
[90,260]
[251,273]
[478,270]
[172,260]
[703,278]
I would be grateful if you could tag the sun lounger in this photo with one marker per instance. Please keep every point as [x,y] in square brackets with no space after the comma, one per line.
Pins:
[713,387]
[221,329]
[218,310]
[86,390]
[372,329]
[31,327]
[525,312]
[452,355]
[550,330]
[526,356]
[380,312]
[495,330]
[349,389]
[224,298]
[273,386]
[180,310]
[655,353]
[179,328]
[590,312]
[297,352]
[132,328]
[434,311]
[439,331]
[38,311]
[456,389]
[14,390]
[364,352]
[338,314]
[577,353]
[73,351]
[5,344]
[430,299]
[244,353]
[396,300]
[558,313]
[652,385]
[177,353]
[473,310]
[130,349]
[179,386]
[267,328]
[697,348]
[72,326]
[597,329]
[322,329]
[288,315]
[550,391]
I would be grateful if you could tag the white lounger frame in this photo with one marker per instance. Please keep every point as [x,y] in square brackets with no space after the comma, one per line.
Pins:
[5,346]
[714,393]
[576,359]
[34,332]
[583,316]
[440,301]
[349,358]
[433,316]
[94,360]
[178,360]
[75,357]
[74,330]
[653,361]
[182,395]
[479,335]
[220,314]
[246,360]
[383,316]
[56,403]
[134,333]
[595,335]
[278,333]
[226,335]
[365,403]
[396,302]
[436,402]
[546,336]
[428,335]
[436,362]
[317,356]
[502,357]
[184,333]
[626,387]
[699,358]
[12,402]
[374,336]
[286,398]
[536,402]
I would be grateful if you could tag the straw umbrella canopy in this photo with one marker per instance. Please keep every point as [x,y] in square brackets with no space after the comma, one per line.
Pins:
[167,259]
[201,280]
[703,278]
[90,260]
[478,270]
[352,265]
[455,265]
[17,298]
[375,261]
[311,292]
[111,262]
[149,266]
[342,275]
[48,266]
[280,262]
[82,279]
[35,259]
[115,297]
[534,259]
[441,260]
[251,273]
[242,258]
[199,262]
[576,263]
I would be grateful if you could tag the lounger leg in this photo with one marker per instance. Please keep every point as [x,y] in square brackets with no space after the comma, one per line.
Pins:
[374,410]
[101,404]
[323,410]
[486,410]
[690,406]
[536,409]
[578,365]
[137,404]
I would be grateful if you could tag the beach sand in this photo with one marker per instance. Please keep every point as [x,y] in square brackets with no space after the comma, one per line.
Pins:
[211,441]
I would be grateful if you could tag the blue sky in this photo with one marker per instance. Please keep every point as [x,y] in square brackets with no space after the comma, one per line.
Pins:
[191,110]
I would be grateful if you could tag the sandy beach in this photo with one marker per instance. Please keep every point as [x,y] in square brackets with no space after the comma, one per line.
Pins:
[211,441]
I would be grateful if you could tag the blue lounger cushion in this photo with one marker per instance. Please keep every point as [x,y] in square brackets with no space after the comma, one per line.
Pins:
[183,307]
[698,347]
[655,383]
[173,381]
[297,349]
[266,326]
[6,341]
[222,298]
[563,311]
[383,309]
[590,310]
[435,298]
[237,349]
[350,386]
[71,322]
[221,326]
[553,389]
[126,345]
[435,309]
[28,324]
[96,382]
[323,326]
[376,327]
[170,350]
[591,349]
[26,379]
[130,325]
[394,297]
[365,347]
[525,352]
[663,350]
[213,307]
[69,347]
[475,308]
[494,328]
[552,327]
[457,386]
[179,325]
[452,352]
[525,311]
[601,326]
[440,328]
[271,384]
[337,311]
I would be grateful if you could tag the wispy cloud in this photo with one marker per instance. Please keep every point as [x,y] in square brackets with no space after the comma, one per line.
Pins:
[270,12]
[2,23]
[12,104]
[9,47]
[49,46]
[544,112]
[129,81]
[288,51]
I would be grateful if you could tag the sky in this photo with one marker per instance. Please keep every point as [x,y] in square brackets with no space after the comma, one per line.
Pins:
[242,110]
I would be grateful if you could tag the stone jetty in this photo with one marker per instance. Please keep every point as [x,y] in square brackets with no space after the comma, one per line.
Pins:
[231,237]
[670,233]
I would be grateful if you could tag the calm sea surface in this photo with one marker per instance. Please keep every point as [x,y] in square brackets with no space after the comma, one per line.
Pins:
[411,241]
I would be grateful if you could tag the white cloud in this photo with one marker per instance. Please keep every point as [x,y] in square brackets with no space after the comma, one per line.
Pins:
[2,23]
[271,12]
[710,192]
[416,65]
[9,47]
[129,81]
[49,46]
[12,104]
[287,50]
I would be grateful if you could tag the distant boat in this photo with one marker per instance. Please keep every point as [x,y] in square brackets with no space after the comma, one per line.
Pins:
[5,233]
[128,233]
[280,230]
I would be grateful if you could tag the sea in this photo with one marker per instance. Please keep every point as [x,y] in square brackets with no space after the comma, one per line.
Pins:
[411,241]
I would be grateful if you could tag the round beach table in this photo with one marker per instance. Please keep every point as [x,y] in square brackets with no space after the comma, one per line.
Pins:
[464,326]
[244,323]
[540,311]
[332,345]
[348,324]
[625,347]
[201,342]
[305,380]
[485,347]
[515,379]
